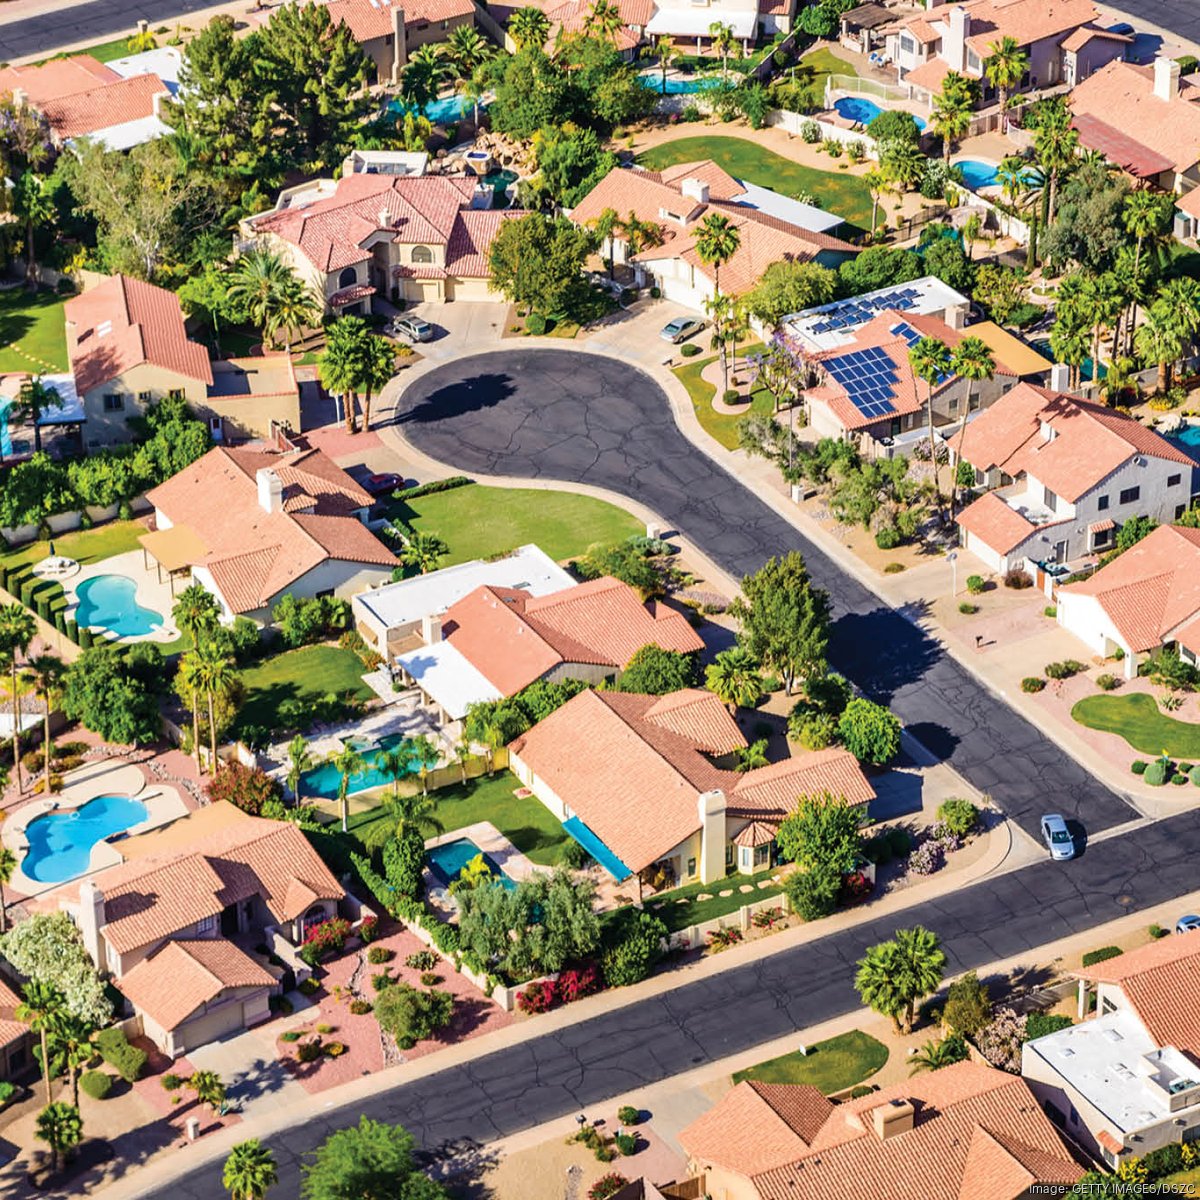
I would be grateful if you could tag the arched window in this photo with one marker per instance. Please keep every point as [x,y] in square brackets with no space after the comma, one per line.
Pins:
[347,277]
[422,254]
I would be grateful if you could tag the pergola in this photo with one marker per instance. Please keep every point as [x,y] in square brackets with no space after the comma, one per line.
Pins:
[173,550]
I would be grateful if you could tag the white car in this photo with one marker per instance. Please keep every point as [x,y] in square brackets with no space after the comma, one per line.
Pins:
[681,329]
[1057,837]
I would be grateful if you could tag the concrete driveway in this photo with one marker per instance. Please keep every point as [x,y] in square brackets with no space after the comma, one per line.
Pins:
[462,327]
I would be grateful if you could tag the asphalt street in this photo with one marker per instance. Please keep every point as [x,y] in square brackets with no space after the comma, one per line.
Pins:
[549,414]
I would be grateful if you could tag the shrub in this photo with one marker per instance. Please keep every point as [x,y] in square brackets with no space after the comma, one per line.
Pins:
[888,537]
[893,568]
[869,731]
[1031,684]
[1063,669]
[382,980]
[535,324]
[171,1082]
[334,1049]
[538,997]
[1107,682]
[410,1015]
[307,1052]
[689,350]
[115,1049]
[7,1091]
[818,731]
[899,840]
[1138,766]
[360,1008]
[326,937]
[246,787]
[632,946]
[1194,775]
[574,984]
[968,609]
[325,1028]
[975,584]
[379,954]
[627,1143]
[927,857]
[1040,1024]
[1092,957]
[368,930]
[813,894]
[959,816]
[290,1035]
[308,987]
[1000,1040]
[430,979]
[1156,773]
[628,1115]
[574,855]
[1017,580]
[96,1084]
[968,1006]
[859,1090]
[877,849]
[422,960]
[1156,931]
[810,131]
[1179,780]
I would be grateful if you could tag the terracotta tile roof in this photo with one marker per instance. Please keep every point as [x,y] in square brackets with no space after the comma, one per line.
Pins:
[104,106]
[1190,203]
[365,20]
[121,324]
[757,1126]
[11,1030]
[571,18]
[721,185]
[1085,33]
[1090,441]
[1189,635]
[513,638]
[254,554]
[930,75]
[775,788]
[351,295]
[470,244]
[416,11]
[1121,95]
[1110,1143]
[999,527]
[1027,21]
[921,29]
[698,716]
[756,833]
[57,78]
[183,976]
[332,232]
[1121,149]
[1101,526]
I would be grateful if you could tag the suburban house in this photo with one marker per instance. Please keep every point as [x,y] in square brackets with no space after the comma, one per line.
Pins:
[569,18]
[410,237]
[677,200]
[15,1037]
[1144,120]
[966,1130]
[495,641]
[674,812]
[1066,475]
[1146,598]
[118,104]
[251,524]
[869,393]
[1125,1081]
[1060,37]
[690,24]
[174,921]
[388,31]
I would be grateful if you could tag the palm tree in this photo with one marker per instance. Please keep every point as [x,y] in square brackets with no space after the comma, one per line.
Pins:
[1160,340]
[529,27]
[662,48]
[141,42]
[339,363]
[423,76]
[299,761]
[893,976]
[47,673]
[394,764]
[935,1055]
[190,678]
[876,182]
[720,308]
[1105,297]
[723,42]
[33,204]
[1055,143]
[71,1047]
[1005,68]
[416,813]
[751,757]
[603,20]
[346,762]
[215,674]
[196,612]
[254,283]
[61,1128]
[483,725]
[733,676]
[468,49]
[209,1089]
[1145,217]
[972,360]
[1181,298]
[295,308]
[473,89]
[1121,378]
[903,163]
[250,1168]
[41,1009]
[474,873]
[930,360]
[376,365]
[420,550]
[605,228]
[462,756]
[1070,338]
[8,867]
[952,110]
[17,629]
[717,241]
[35,397]
[427,753]
[640,235]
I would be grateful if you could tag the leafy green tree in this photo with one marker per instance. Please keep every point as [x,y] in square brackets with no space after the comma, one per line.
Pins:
[537,262]
[822,831]
[41,1008]
[895,975]
[347,762]
[531,92]
[249,1172]
[863,491]
[788,287]
[878,267]
[784,619]
[367,1161]
[813,894]
[1089,206]
[61,1128]
[751,757]
[653,671]
[1132,531]
[493,725]
[968,1005]
[627,561]
[48,949]
[945,258]
[869,731]
[1000,290]
[734,677]
[1004,68]
[894,125]
[570,163]
[33,205]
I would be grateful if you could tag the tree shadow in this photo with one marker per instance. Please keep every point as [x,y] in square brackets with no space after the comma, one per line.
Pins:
[459,399]
[935,738]
[881,651]
[461,1166]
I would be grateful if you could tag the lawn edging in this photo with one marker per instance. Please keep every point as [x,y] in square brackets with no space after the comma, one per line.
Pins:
[1135,718]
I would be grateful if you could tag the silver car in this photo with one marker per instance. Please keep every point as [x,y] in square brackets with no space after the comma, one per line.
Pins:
[1187,924]
[411,329]
[681,329]
[1057,837]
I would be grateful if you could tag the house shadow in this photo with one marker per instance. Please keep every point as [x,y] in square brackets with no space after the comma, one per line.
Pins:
[898,793]
[458,399]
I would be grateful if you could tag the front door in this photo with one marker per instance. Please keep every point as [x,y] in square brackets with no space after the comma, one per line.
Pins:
[229,921]
[1060,552]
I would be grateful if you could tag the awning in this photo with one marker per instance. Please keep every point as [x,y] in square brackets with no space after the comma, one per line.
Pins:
[1119,148]
[1020,358]
[597,849]
[1101,526]
[448,678]
[174,549]
[351,295]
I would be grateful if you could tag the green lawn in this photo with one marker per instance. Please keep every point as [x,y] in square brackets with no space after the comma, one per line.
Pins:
[835,191]
[812,71]
[32,331]
[839,1063]
[309,672]
[721,426]
[1138,719]
[478,522]
[679,916]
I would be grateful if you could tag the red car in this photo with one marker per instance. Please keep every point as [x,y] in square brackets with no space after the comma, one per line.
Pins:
[386,482]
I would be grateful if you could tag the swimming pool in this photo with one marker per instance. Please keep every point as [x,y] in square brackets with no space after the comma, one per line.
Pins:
[60,843]
[446,862]
[977,174]
[1189,439]
[445,111]
[679,85]
[323,781]
[864,111]
[110,602]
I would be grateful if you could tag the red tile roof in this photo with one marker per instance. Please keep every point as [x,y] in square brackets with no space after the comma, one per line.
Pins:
[57,78]
[1152,589]
[183,976]
[368,20]
[104,106]
[1121,149]
[11,1030]
[470,244]
[997,526]
[124,323]
[1027,21]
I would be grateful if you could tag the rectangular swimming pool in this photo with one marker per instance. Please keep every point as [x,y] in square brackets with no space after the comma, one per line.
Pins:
[323,780]
[446,862]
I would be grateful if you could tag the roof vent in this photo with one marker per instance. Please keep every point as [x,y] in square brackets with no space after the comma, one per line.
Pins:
[104,329]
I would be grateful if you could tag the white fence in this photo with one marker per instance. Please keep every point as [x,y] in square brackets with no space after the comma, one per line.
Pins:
[852,85]
[696,936]
[66,522]
[793,123]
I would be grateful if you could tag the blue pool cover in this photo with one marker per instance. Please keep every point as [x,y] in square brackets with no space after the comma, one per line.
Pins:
[597,849]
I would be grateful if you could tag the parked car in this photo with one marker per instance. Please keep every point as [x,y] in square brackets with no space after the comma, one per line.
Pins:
[1187,924]
[1123,28]
[387,481]
[681,329]
[1057,837]
[411,329]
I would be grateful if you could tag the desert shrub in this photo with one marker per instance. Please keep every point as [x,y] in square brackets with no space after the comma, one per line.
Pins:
[411,1015]
[360,1008]
[606,1186]
[1063,669]
[308,987]
[379,954]
[1157,931]
[1031,684]
[632,945]
[975,584]
[325,1028]
[1107,682]
[538,997]
[535,324]
[810,131]
[813,894]
[171,1082]
[926,858]
[1179,780]
[967,609]
[1017,580]
[888,537]
[1156,773]
[368,930]
[334,1049]
[958,816]
[1000,1040]
[96,1084]
[968,1006]
[1051,611]
[689,350]
[1092,957]
[1040,1024]
[310,1051]
[627,1143]
[422,960]
[382,980]
[628,1115]
[1194,775]
[115,1049]
[1138,766]
[290,1035]
[430,979]
[859,1090]
[900,841]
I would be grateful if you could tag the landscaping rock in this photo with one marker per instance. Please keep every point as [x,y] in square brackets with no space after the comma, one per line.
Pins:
[726,892]
[704,896]
[745,887]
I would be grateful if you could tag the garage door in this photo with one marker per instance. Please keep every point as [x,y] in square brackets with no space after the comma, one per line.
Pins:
[209,1026]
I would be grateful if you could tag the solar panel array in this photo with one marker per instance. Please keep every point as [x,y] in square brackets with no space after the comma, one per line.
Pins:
[849,314]
[868,377]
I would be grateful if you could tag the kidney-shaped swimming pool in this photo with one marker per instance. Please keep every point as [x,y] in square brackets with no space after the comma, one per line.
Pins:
[60,843]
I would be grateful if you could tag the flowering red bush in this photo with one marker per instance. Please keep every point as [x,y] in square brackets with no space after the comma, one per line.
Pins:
[247,787]
[575,984]
[855,887]
[607,1185]
[538,997]
[721,939]
[326,938]
[369,929]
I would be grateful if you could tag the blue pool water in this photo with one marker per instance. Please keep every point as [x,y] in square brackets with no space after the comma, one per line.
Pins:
[1188,439]
[110,602]
[323,780]
[862,110]
[440,112]
[60,844]
[446,862]
[978,175]
[679,85]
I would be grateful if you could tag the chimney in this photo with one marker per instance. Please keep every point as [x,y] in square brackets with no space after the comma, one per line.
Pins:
[711,807]
[91,919]
[431,628]
[955,316]
[1166,78]
[385,219]
[159,101]
[399,42]
[1060,377]
[20,97]
[958,29]
[270,490]
[896,1116]
[697,189]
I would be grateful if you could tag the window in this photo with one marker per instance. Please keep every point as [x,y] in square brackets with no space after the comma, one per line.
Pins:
[1129,495]
[114,403]
[348,277]
[730,851]
[907,45]
[972,60]
[1180,509]
[952,406]
[145,397]
[691,867]
[1101,538]
[1102,503]
[1173,480]
[1050,498]
[762,856]
[206,925]
[176,394]
[422,254]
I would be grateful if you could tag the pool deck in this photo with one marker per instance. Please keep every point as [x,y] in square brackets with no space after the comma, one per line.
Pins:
[492,843]
[150,594]
[110,778]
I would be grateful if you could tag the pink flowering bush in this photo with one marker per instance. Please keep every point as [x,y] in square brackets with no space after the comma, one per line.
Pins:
[538,997]
[1000,1040]
[328,937]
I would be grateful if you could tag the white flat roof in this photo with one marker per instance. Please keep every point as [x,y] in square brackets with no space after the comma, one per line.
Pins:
[128,134]
[443,673]
[695,22]
[163,62]
[527,567]
[1104,1060]
[806,216]
[835,324]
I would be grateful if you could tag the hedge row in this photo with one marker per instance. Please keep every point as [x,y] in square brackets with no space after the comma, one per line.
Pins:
[431,488]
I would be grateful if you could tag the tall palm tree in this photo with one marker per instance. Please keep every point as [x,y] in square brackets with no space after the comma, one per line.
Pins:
[191,679]
[605,228]
[197,612]
[33,204]
[662,48]
[717,241]
[893,976]
[724,41]
[1070,337]
[1181,297]
[339,364]
[395,765]
[734,678]
[426,752]
[720,309]
[424,73]
[216,674]
[295,308]
[603,20]
[930,360]
[254,282]
[71,1047]
[35,397]
[61,1128]
[416,814]
[972,360]
[468,49]
[876,182]
[1105,297]
[640,235]
[529,27]
[42,1007]
[462,756]
[473,89]
[376,365]
[47,673]
[8,867]
[18,628]
[347,761]
[952,110]
[1145,216]
[1005,68]
[249,1171]
[1160,340]
[1055,143]
[299,761]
